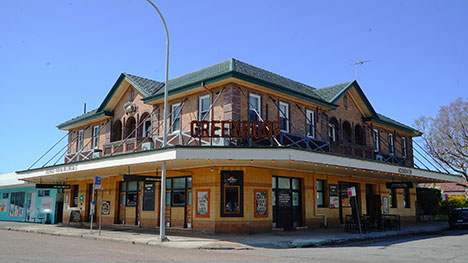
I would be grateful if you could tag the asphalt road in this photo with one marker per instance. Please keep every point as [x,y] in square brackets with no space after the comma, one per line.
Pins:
[447,247]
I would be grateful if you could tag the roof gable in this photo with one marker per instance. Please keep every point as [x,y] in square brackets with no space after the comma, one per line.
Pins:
[333,93]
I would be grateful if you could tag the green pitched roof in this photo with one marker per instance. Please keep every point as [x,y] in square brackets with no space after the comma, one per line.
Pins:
[391,122]
[235,68]
[147,87]
[85,117]
[331,93]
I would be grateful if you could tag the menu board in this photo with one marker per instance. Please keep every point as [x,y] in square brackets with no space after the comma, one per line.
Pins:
[203,203]
[261,203]
[148,196]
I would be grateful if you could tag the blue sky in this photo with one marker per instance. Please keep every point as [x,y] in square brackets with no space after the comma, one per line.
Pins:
[56,55]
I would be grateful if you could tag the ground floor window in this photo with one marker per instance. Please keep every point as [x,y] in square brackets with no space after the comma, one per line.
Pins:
[177,191]
[74,196]
[321,186]
[232,189]
[286,202]
[406,197]
[17,204]
[393,198]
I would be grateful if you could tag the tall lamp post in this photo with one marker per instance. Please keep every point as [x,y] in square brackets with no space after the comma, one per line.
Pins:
[162,223]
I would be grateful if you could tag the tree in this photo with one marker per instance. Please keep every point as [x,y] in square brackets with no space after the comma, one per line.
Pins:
[446,136]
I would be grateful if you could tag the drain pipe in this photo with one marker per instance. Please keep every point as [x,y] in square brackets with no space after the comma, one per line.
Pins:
[325,223]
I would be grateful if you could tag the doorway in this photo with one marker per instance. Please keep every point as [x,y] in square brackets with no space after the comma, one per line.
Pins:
[286,192]
[129,200]
[372,201]
[179,204]
[30,206]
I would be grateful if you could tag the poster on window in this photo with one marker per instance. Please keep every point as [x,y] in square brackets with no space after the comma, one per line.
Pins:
[334,202]
[16,211]
[47,205]
[3,205]
[386,204]
[106,207]
[202,203]
[261,203]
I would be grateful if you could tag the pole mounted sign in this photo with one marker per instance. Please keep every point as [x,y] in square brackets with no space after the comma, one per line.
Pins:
[97,182]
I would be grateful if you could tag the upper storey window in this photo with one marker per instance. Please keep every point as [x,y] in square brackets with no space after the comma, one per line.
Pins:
[332,125]
[79,144]
[175,123]
[117,131]
[403,146]
[96,137]
[376,138]
[284,116]
[310,123]
[254,107]
[391,147]
[204,108]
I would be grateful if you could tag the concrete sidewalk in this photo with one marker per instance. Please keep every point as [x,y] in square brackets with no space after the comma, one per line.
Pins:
[312,238]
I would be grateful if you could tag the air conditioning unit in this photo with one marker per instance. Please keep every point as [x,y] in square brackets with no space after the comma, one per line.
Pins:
[219,141]
[97,153]
[379,157]
[147,146]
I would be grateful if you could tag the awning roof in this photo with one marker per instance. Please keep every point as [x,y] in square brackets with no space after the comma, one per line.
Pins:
[182,158]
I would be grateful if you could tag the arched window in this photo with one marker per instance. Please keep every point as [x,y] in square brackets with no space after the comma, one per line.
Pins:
[347,132]
[332,130]
[359,134]
[117,131]
[130,128]
[145,125]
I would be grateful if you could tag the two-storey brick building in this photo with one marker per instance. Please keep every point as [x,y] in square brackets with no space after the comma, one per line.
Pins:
[233,177]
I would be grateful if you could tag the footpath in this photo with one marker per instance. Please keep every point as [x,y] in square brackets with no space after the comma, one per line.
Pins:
[310,238]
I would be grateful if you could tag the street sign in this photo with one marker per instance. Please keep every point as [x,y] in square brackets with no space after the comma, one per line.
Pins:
[53,186]
[97,182]
[466,194]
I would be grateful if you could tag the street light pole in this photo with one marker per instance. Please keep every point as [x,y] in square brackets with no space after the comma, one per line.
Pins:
[162,223]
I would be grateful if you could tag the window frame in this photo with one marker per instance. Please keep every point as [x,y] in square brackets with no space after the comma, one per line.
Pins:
[332,132]
[404,147]
[406,198]
[79,140]
[310,123]
[75,192]
[376,139]
[287,113]
[200,105]
[240,193]
[323,192]
[175,118]
[95,137]
[144,132]
[393,198]
[259,106]
[391,144]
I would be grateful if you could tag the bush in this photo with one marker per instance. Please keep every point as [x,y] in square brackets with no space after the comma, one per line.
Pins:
[454,202]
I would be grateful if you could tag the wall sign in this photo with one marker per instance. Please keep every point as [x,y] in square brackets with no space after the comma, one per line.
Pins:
[131,177]
[261,203]
[235,129]
[334,201]
[62,169]
[399,185]
[148,196]
[106,207]
[203,203]
[3,205]
[53,186]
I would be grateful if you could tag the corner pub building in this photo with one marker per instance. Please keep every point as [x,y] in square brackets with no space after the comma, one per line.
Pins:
[248,151]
